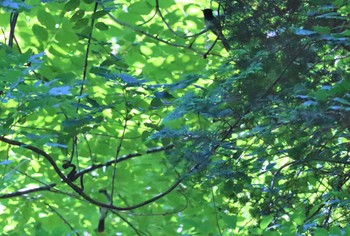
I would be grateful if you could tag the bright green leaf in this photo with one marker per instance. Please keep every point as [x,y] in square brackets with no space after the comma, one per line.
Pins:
[71,5]
[40,32]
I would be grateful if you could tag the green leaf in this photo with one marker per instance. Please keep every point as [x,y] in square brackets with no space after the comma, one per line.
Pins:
[98,14]
[6,162]
[321,29]
[40,32]
[82,23]
[265,221]
[46,19]
[140,8]
[57,91]
[321,232]
[304,32]
[101,26]
[230,220]
[129,79]
[71,5]
[79,14]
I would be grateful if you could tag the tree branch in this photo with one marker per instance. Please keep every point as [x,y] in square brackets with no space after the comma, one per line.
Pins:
[22,192]
[145,33]
[122,158]
[13,22]
[169,27]
[80,191]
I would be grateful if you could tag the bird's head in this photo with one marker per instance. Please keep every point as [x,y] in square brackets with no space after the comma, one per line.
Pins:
[208,13]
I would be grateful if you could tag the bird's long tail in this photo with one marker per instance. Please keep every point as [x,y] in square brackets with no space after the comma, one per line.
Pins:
[101,225]
[225,43]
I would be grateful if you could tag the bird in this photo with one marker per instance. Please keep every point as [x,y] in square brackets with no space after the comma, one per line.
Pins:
[101,221]
[103,212]
[213,24]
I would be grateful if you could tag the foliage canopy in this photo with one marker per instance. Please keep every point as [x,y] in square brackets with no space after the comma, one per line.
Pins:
[137,99]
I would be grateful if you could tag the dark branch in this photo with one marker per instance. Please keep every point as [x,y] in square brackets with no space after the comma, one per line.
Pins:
[79,190]
[27,191]
[145,33]
[169,27]
[122,158]
[13,22]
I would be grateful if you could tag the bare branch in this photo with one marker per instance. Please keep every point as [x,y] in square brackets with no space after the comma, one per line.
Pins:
[145,33]
[22,192]
[80,191]
[13,22]
[122,158]
[169,27]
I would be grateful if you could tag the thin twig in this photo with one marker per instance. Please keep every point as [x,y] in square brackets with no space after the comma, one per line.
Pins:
[145,33]
[120,159]
[216,213]
[117,153]
[169,27]
[62,218]
[127,222]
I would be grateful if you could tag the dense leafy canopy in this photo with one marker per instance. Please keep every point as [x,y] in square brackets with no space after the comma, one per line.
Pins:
[136,99]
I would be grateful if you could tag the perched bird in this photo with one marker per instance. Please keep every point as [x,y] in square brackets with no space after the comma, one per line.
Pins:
[101,221]
[213,24]
[103,212]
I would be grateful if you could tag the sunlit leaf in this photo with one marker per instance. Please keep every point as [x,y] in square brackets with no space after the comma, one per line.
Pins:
[63,90]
